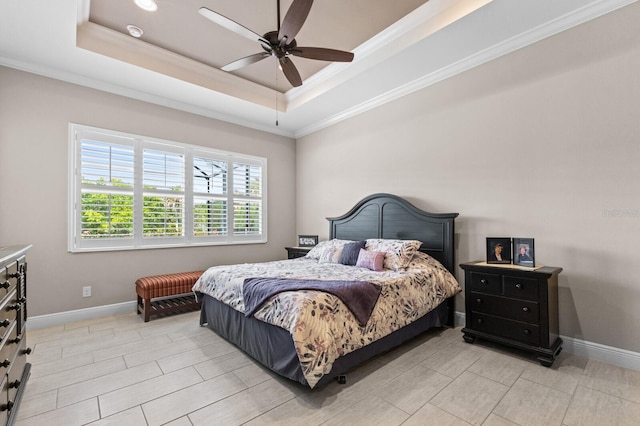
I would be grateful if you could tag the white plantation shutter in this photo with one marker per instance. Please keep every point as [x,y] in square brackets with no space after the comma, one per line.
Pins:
[106,182]
[163,180]
[128,191]
[247,199]
[210,197]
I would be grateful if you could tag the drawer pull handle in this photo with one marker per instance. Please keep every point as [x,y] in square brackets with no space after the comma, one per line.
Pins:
[479,300]
[526,309]
[5,285]
[526,332]
[484,282]
[5,323]
[13,307]
[5,363]
[15,341]
[518,286]
[14,385]
[7,406]
[26,351]
[479,321]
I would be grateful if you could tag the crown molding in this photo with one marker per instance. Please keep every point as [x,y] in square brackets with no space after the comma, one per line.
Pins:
[548,29]
[127,92]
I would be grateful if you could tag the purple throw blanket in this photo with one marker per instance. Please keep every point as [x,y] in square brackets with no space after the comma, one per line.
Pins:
[359,296]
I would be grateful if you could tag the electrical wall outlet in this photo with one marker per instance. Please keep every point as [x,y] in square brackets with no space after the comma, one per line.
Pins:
[86,291]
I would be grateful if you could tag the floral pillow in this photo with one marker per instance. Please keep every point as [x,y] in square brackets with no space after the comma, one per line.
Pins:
[317,251]
[398,253]
[371,260]
[331,254]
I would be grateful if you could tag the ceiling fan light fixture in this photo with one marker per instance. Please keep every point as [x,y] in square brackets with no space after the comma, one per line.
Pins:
[148,5]
[135,31]
[281,43]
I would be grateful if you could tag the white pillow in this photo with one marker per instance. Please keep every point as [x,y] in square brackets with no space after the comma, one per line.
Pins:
[398,253]
[318,250]
[331,254]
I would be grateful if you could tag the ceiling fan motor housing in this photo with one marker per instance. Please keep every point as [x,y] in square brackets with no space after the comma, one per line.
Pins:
[275,47]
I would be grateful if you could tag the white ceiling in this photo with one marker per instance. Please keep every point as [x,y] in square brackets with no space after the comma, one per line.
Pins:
[71,41]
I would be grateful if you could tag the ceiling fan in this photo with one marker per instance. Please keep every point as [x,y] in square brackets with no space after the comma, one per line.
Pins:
[280,43]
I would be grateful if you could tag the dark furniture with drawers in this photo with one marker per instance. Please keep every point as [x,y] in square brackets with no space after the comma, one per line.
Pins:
[294,252]
[513,306]
[14,369]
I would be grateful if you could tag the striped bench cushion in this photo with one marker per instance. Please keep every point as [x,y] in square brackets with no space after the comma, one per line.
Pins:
[166,285]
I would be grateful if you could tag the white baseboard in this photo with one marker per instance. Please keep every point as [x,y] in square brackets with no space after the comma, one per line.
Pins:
[591,350]
[50,320]
[608,354]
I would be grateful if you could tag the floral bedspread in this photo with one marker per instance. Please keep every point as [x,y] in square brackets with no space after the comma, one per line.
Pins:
[322,327]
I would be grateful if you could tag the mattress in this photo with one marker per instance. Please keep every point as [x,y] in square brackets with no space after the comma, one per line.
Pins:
[321,327]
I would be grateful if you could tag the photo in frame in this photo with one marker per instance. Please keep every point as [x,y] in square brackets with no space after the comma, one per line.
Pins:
[499,250]
[307,240]
[523,252]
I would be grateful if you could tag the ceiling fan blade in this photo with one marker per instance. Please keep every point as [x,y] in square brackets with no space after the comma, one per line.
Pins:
[291,72]
[294,19]
[247,60]
[322,54]
[231,25]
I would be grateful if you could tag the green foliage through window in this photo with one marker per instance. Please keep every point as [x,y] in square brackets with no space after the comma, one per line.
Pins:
[166,204]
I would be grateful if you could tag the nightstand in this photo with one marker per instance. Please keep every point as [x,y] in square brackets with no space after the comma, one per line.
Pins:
[513,306]
[294,252]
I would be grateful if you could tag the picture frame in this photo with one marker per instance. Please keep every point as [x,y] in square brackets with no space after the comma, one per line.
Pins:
[307,240]
[499,250]
[524,252]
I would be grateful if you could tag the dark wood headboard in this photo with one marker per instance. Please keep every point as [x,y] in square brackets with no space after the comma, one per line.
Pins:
[389,216]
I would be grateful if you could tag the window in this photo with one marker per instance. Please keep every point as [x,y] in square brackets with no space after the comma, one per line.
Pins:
[130,192]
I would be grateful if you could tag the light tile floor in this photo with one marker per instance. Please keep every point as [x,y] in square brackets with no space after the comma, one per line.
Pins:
[121,371]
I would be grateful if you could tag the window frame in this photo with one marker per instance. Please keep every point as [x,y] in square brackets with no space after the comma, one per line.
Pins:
[78,132]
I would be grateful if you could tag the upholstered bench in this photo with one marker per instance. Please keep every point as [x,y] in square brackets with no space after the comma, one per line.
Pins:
[171,292]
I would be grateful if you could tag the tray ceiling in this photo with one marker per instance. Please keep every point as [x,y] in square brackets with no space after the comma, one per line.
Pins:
[399,47]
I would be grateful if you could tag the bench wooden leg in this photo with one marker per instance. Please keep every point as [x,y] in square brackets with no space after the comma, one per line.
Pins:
[147,310]
[144,306]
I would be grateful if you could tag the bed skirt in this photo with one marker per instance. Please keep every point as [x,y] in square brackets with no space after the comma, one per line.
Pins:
[273,347]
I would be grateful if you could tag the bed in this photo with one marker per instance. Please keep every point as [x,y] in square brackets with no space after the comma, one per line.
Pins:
[312,336]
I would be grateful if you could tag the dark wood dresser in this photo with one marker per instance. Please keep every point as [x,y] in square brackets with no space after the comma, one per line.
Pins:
[513,306]
[294,252]
[14,368]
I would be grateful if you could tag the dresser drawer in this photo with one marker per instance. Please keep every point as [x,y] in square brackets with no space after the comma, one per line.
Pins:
[19,343]
[486,283]
[4,401]
[521,288]
[8,349]
[520,310]
[515,330]
[8,278]
[14,368]
[8,313]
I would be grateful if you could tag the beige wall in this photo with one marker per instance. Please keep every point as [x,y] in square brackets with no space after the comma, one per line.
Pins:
[536,144]
[34,117]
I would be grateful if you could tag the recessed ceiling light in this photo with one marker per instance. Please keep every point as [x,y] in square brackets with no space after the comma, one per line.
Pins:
[135,31]
[149,5]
